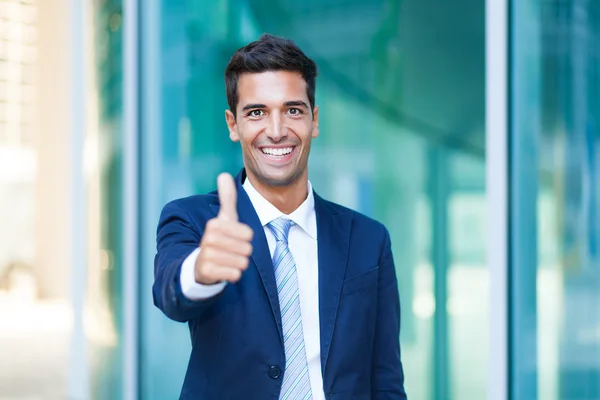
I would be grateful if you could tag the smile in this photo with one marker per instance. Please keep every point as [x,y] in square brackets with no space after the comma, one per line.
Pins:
[277,152]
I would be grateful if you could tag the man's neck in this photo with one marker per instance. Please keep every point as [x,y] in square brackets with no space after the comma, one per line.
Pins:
[285,198]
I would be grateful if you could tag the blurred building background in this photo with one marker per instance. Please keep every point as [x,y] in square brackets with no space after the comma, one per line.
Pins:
[471,130]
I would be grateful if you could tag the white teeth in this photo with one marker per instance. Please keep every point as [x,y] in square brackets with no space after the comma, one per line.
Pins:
[277,152]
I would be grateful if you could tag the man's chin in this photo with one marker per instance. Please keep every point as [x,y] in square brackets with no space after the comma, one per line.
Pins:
[278,180]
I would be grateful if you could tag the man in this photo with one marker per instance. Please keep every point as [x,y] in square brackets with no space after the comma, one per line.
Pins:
[287,296]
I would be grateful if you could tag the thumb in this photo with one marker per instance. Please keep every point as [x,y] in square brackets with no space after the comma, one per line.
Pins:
[227,197]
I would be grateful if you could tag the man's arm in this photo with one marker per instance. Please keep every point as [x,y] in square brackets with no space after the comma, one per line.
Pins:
[226,248]
[387,381]
[177,238]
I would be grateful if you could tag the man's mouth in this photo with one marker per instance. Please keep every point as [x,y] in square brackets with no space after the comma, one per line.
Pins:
[277,152]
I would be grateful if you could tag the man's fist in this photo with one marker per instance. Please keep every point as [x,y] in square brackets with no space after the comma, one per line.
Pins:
[225,245]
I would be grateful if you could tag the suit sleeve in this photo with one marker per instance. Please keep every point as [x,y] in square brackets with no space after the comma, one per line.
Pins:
[387,381]
[176,238]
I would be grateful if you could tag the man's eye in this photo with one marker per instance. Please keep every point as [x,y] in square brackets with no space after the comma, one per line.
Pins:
[295,111]
[256,113]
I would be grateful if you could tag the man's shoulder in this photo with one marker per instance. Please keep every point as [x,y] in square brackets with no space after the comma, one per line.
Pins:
[198,203]
[360,221]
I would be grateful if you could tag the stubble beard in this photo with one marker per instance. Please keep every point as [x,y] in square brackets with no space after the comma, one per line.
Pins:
[285,181]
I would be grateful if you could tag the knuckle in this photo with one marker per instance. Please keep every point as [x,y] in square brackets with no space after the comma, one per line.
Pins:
[212,254]
[218,275]
[223,272]
[212,224]
[208,239]
[244,231]
[235,275]
[203,272]
[238,262]
[206,268]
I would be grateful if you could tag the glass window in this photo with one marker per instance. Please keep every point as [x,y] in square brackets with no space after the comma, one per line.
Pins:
[401,96]
[36,313]
[60,240]
[554,234]
[104,207]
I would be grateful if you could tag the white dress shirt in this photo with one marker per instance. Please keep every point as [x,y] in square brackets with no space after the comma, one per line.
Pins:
[302,241]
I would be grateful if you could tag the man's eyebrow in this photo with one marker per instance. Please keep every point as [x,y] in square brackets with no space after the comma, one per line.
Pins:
[295,103]
[254,105]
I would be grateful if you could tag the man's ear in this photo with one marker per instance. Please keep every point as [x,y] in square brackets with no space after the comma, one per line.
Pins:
[315,122]
[232,126]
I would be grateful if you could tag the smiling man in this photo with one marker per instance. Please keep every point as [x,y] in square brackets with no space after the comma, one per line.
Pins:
[287,295]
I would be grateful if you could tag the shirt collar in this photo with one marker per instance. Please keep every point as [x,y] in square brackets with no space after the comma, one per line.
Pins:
[303,216]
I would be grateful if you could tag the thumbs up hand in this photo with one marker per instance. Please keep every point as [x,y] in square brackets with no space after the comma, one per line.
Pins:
[225,245]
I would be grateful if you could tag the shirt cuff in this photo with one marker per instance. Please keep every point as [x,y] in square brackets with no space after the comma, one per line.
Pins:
[192,289]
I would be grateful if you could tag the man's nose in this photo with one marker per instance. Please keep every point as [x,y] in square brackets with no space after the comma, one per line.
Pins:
[276,129]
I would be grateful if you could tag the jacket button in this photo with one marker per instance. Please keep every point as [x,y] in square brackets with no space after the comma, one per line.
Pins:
[274,372]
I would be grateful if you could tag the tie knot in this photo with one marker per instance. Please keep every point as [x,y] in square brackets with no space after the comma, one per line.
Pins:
[280,228]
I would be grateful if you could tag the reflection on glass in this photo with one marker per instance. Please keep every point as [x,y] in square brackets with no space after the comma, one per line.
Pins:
[555,221]
[104,315]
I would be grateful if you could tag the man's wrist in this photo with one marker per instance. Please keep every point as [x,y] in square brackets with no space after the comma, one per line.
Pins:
[190,287]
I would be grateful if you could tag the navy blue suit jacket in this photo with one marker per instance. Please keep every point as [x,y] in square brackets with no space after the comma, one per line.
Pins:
[237,344]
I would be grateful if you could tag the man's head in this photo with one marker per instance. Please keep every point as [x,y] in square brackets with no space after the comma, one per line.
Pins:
[272,113]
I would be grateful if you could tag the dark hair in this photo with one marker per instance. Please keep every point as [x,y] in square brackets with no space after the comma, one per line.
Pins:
[269,53]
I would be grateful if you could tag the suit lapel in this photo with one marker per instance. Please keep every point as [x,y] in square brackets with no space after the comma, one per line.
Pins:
[333,235]
[261,256]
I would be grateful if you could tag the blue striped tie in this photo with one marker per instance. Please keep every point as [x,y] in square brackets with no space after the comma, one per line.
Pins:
[296,382]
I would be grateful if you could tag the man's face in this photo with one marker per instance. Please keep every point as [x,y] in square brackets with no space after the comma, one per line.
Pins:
[274,126]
